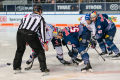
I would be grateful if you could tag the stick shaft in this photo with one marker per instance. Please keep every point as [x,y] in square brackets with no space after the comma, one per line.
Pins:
[99,54]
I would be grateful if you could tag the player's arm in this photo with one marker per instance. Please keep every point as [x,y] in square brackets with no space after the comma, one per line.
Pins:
[93,29]
[99,32]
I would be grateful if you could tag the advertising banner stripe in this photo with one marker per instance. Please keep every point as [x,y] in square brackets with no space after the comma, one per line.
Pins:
[56,25]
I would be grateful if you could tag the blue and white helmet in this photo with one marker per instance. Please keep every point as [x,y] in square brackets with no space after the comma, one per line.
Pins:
[87,16]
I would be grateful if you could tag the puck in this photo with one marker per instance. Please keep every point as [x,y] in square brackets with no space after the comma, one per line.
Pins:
[8,64]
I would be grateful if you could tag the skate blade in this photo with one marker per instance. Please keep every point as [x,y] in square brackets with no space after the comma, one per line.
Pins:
[84,71]
[118,58]
[109,55]
[45,73]
[16,72]
[90,70]
[81,63]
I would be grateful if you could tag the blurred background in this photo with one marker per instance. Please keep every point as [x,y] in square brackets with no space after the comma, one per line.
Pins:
[60,6]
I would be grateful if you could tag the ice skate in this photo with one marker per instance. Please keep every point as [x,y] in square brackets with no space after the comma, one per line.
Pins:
[110,54]
[116,56]
[87,68]
[63,61]
[45,72]
[18,70]
[103,53]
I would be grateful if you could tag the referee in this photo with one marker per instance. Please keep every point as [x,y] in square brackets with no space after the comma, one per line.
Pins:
[27,33]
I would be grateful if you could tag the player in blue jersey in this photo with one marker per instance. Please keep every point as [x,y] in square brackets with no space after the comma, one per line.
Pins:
[79,38]
[105,29]
[91,26]
[104,52]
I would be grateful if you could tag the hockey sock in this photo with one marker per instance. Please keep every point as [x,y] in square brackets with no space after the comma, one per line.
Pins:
[113,47]
[85,58]
[102,46]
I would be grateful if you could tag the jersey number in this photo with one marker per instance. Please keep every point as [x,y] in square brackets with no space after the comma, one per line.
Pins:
[74,29]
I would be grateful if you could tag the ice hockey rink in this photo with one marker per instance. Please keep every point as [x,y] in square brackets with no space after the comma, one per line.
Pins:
[103,70]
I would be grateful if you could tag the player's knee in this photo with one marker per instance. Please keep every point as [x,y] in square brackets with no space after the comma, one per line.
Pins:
[108,42]
[81,48]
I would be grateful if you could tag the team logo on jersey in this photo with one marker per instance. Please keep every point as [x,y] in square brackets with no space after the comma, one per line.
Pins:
[99,27]
[73,45]
[99,31]
[84,40]
[68,42]
[111,37]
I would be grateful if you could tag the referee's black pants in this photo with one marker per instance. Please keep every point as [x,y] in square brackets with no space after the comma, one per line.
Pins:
[31,38]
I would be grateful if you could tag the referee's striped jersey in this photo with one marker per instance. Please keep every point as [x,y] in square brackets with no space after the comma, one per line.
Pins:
[34,22]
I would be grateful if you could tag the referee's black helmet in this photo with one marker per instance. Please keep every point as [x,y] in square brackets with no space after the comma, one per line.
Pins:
[38,8]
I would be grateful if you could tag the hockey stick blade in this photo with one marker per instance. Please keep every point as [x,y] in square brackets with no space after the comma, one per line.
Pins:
[99,54]
[28,68]
[75,61]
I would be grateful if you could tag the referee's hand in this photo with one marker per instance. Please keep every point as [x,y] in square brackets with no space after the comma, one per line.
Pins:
[46,47]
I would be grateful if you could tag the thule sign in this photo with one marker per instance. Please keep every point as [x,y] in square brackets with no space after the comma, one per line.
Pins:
[93,6]
[63,7]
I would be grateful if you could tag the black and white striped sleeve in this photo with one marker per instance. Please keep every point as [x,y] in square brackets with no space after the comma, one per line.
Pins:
[43,30]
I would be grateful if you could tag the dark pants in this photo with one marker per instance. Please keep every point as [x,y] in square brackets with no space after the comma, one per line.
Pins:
[31,38]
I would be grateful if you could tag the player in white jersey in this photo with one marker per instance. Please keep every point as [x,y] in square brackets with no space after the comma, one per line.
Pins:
[51,32]
[85,20]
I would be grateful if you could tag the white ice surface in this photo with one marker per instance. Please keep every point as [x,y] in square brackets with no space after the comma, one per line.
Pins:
[108,70]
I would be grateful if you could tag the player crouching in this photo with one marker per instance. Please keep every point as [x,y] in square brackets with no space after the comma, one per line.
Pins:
[51,34]
[79,38]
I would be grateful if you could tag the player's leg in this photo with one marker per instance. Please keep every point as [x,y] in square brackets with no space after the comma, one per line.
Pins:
[60,55]
[102,46]
[109,40]
[58,47]
[21,46]
[84,40]
[108,48]
[33,55]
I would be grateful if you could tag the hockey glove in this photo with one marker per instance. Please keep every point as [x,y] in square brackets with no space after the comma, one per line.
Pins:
[93,42]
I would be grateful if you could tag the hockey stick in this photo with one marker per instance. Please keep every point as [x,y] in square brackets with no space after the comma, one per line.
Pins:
[28,68]
[87,48]
[72,55]
[99,54]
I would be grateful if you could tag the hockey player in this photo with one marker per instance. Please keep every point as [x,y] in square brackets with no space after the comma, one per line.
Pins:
[104,51]
[85,20]
[79,38]
[51,32]
[106,29]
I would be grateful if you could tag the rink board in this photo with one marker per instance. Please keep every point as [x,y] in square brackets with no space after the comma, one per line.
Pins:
[58,20]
